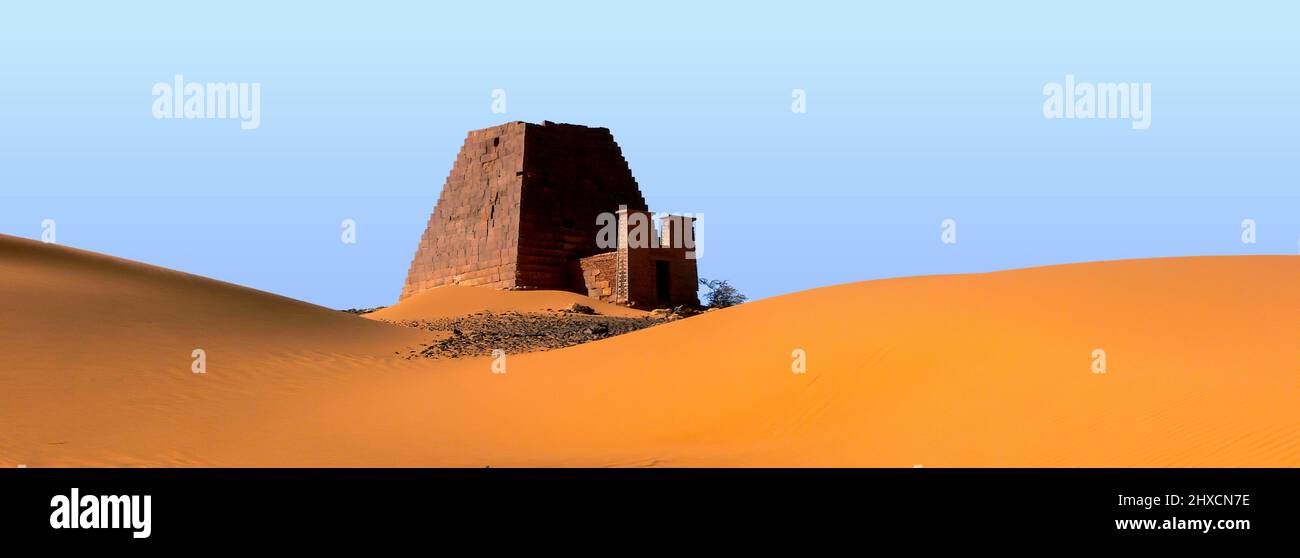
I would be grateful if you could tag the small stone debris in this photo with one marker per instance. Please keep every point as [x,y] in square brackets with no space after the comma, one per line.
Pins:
[675,313]
[513,332]
[577,308]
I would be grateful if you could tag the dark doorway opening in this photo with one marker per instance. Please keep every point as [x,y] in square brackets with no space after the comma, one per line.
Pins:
[663,286]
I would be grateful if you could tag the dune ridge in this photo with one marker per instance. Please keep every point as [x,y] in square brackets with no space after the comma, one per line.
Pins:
[452,300]
[975,370]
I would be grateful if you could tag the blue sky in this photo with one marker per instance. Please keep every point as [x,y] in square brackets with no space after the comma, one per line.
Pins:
[916,113]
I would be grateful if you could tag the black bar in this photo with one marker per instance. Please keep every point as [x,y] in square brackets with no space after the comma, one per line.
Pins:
[324,506]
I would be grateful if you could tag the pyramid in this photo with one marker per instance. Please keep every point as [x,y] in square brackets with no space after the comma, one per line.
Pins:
[519,211]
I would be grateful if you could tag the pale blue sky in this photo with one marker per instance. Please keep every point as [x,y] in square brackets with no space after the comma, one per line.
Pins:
[917,112]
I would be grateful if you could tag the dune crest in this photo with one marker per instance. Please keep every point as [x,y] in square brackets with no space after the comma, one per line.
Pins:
[450,301]
[991,369]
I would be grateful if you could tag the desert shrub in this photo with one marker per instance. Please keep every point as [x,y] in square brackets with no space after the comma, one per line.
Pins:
[721,294]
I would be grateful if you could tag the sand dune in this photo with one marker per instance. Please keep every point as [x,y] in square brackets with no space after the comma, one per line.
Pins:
[963,370]
[451,301]
[96,355]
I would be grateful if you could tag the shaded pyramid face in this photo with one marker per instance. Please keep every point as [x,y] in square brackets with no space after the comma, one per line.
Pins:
[519,208]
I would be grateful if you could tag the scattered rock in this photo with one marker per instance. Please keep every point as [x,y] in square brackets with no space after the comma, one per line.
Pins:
[359,311]
[577,308]
[676,313]
[685,311]
[479,334]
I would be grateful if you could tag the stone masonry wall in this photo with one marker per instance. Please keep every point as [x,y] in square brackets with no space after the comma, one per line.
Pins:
[598,275]
[472,237]
[642,288]
[571,175]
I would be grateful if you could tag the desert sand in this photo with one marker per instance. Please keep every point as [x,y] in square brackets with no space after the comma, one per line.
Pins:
[452,301]
[944,371]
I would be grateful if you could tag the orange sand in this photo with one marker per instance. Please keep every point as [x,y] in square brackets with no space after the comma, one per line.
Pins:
[962,370]
[451,301]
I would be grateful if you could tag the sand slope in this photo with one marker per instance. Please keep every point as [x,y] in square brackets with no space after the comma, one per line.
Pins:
[95,356]
[966,370]
[451,301]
